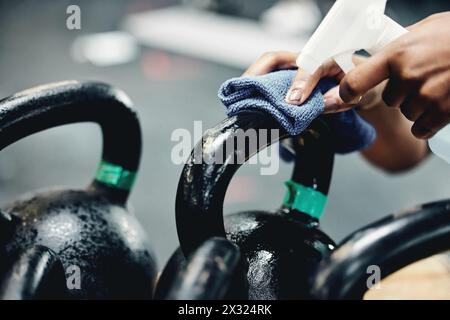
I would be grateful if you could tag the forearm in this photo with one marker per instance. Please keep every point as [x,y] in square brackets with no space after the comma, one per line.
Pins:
[395,148]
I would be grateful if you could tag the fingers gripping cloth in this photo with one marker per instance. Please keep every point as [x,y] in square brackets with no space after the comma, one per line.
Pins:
[266,93]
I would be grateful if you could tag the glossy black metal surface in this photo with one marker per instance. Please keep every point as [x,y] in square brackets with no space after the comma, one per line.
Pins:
[36,273]
[8,224]
[208,273]
[90,228]
[202,185]
[48,106]
[390,244]
[173,267]
[280,248]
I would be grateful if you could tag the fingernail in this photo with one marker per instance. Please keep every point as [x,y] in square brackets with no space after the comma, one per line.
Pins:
[331,105]
[295,95]
[356,100]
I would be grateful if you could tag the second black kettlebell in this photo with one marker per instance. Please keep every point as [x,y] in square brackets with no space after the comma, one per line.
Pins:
[384,247]
[90,230]
[208,272]
[35,273]
[280,248]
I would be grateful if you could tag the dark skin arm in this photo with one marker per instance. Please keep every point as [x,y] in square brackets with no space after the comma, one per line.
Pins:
[395,148]
[416,68]
[411,76]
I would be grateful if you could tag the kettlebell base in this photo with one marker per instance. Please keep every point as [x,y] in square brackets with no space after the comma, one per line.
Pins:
[103,248]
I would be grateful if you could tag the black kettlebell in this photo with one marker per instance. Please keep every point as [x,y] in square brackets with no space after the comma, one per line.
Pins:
[387,246]
[90,229]
[36,273]
[280,248]
[208,273]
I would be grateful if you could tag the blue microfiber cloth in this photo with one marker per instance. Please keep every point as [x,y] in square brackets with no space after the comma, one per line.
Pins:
[267,93]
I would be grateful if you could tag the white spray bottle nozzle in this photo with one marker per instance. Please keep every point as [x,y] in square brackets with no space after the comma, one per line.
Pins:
[350,25]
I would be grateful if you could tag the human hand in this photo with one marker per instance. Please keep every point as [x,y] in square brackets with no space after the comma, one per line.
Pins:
[417,67]
[304,83]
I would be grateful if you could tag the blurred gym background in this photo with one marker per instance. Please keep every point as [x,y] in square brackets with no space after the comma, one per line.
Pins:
[170,57]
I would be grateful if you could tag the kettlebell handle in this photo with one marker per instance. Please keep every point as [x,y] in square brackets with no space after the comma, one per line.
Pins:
[388,245]
[208,273]
[36,273]
[203,183]
[52,105]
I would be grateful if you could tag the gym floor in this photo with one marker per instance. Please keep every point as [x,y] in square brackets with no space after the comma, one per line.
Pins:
[170,92]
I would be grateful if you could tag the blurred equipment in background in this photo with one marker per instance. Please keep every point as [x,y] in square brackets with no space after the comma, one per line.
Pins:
[249,9]
[237,32]
[230,7]
[291,17]
[105,49]
[203,30]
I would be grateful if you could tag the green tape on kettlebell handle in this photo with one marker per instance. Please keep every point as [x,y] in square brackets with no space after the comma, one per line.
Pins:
[114,175]
[304,199]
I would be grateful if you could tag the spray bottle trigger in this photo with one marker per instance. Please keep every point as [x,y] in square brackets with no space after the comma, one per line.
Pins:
[344,60]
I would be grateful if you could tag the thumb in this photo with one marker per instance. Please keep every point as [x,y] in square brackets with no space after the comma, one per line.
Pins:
[302,86]
[364,77]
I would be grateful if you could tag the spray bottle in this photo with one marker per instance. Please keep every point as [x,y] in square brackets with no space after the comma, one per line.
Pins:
[353,25]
